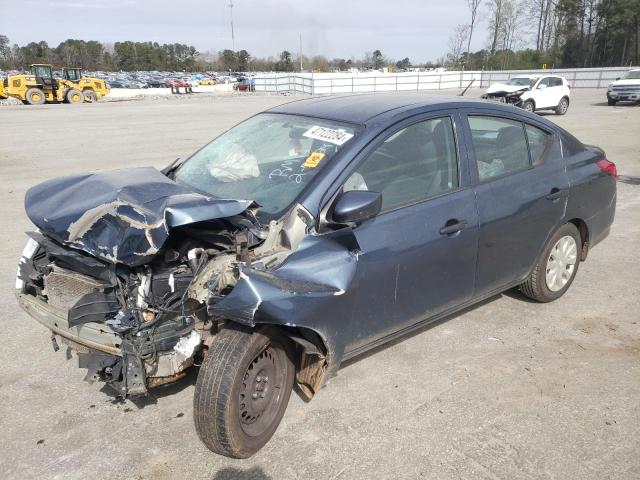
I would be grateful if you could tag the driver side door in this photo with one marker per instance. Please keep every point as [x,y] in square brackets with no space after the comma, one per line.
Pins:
[418,255]
[543,94]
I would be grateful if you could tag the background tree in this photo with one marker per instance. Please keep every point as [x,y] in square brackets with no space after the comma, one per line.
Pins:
[403,64]
[457,42]
[284,64]
[474,6]
[377,59]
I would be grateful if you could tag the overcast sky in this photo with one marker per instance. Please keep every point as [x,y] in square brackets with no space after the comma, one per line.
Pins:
[419,29]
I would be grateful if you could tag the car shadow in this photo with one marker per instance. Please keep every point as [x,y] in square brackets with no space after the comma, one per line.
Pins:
[424,328]
[156,393]
[230,473]
[618,104]
[628,179]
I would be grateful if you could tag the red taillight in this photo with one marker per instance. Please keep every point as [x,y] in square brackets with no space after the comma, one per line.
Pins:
[608,167]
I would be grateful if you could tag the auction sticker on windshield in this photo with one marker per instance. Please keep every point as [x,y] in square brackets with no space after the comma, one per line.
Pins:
[331,135]
[313,160]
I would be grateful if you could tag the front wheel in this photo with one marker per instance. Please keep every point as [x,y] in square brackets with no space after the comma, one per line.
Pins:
[528,106]
[557,266]
[242,391]
[611,102]
[34,96]
[90,96]
[563,106]
[74,95]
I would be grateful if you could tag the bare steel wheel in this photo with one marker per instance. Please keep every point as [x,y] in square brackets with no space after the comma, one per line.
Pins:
[262,391]
[561,263]
[556,267]
[243,389]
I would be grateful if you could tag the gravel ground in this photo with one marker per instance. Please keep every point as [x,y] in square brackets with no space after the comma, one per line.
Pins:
[507,389]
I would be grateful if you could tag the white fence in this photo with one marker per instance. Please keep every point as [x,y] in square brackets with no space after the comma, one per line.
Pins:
[329,83]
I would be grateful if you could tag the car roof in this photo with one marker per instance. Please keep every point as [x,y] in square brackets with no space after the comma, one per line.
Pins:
[363,107]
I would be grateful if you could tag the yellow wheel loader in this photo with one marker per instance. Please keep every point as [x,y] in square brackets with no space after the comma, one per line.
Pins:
[40,87]
[93,89]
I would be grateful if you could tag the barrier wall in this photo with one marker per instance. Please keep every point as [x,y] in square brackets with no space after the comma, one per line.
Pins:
[329,83]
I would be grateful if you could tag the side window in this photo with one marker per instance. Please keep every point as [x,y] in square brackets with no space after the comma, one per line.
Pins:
[556,82]
[538,141]
[500,146]
[545,81]
[413,164]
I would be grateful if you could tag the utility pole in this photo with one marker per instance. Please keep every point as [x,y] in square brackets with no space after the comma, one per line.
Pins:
[300,52]
[233,40]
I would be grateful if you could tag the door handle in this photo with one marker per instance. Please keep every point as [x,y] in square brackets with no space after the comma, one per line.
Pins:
[554,194]
[453,226]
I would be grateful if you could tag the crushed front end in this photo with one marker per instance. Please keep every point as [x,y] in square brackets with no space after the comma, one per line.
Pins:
[134,328]
[510,97]
[110,282]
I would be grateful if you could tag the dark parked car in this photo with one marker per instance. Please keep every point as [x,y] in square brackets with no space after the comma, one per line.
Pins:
[156,83]
[116,84]
[304,236]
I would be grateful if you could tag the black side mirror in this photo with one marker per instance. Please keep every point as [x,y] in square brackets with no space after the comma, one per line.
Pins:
[617,78]
[356,206]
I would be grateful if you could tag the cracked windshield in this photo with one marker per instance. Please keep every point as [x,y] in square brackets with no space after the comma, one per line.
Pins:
[269,158]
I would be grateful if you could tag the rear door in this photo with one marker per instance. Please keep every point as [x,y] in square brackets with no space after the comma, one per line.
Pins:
[521,194]
[419,254]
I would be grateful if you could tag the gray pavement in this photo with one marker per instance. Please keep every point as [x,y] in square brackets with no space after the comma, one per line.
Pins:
[505,390]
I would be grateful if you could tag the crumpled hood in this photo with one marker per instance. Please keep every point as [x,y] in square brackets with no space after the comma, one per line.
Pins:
[501,87]
[122,216]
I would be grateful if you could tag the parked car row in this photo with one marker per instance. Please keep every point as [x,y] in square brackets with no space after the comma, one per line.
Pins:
[167,79]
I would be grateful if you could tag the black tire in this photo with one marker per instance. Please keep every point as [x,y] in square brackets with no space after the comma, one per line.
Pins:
[529,106]
[90,96]
[611,102]
[74,96]
[35,96]
[563,106]
[535,287]
[231,414]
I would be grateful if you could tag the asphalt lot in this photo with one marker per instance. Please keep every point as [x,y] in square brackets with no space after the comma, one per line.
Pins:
[506,390]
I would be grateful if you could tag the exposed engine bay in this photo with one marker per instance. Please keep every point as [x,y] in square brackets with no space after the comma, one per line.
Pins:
[137,304]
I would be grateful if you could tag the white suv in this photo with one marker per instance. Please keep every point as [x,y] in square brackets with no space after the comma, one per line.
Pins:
[533,92]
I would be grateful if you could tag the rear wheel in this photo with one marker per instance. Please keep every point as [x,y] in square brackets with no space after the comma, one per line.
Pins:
[556,267]
[90,96]
[563,106]
[529,106]
[242,391]
[35,96]
[74,95]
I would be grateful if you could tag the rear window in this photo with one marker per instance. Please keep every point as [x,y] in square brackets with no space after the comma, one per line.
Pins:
[538,142]
[500,146]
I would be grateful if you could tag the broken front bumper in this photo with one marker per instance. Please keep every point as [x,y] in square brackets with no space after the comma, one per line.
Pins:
[127,366]
[94,336]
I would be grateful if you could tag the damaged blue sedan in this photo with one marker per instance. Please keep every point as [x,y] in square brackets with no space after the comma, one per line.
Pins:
[302,237]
